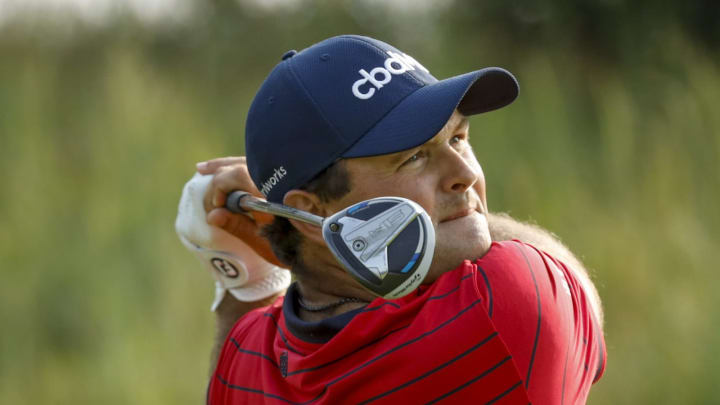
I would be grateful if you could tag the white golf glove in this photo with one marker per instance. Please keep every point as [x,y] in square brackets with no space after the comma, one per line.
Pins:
[233,264]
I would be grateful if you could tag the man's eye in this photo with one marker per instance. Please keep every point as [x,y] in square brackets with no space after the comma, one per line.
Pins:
[414,158]
[456,139]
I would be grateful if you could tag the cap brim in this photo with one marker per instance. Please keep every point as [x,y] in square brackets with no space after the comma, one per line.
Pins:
[422,114]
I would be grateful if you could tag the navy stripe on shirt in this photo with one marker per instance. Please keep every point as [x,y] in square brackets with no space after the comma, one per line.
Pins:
[490,296]
[539,305]
[509,390]
[413,340]
[267,394]
[376,358]
[254,353]
[473,380]
[282,334]
[436,369]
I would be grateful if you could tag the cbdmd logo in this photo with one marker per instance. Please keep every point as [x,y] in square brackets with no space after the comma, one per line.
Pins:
[268,184]
[396,64]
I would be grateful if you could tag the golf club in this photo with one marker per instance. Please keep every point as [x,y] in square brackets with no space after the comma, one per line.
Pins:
[385,243]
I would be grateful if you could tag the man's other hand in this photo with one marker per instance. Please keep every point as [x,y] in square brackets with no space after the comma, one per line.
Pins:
[230,174]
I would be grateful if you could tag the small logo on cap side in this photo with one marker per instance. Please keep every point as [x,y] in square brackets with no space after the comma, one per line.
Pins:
[396,64]
[273,180]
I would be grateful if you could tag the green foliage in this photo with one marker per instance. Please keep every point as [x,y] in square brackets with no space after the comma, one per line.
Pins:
[100,129]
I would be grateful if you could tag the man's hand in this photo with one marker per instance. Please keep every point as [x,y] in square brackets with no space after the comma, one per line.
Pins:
[230,174]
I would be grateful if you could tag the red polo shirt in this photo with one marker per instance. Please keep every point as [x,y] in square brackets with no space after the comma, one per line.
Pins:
[513,327]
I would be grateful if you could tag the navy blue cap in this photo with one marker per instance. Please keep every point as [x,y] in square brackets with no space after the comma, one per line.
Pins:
[353,96]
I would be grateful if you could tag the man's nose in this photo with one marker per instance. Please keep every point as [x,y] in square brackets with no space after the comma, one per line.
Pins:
[461,172]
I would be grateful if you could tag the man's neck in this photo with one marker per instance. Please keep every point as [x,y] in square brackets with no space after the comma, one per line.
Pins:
[325,284]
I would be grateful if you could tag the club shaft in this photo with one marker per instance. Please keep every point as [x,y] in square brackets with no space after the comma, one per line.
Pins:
[240,201]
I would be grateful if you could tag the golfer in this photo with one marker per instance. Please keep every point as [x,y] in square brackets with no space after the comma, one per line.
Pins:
[506,313]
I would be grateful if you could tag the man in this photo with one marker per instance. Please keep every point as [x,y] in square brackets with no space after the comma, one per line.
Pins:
[352,118]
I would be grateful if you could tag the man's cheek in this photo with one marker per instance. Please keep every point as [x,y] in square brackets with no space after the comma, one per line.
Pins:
[479,187]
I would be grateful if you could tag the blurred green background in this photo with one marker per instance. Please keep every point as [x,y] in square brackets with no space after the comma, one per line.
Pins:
[105,106]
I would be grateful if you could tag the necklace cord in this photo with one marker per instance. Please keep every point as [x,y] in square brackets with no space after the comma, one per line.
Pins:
[318,308]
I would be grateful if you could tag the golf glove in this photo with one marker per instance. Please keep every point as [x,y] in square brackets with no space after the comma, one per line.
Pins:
[232,263]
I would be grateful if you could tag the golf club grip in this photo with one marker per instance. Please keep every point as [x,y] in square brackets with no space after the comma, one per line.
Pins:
[242,202]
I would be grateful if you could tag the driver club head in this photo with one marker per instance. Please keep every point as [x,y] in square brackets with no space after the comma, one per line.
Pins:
[385,243]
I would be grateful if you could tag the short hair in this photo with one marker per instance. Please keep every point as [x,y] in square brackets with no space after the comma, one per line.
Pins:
[330,184]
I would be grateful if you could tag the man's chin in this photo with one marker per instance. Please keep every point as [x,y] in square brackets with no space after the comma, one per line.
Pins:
[471,228]
[465,238]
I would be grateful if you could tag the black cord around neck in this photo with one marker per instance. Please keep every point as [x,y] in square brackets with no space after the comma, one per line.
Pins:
[319,308]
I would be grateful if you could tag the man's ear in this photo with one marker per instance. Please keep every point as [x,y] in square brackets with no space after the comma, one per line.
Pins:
[308,202]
